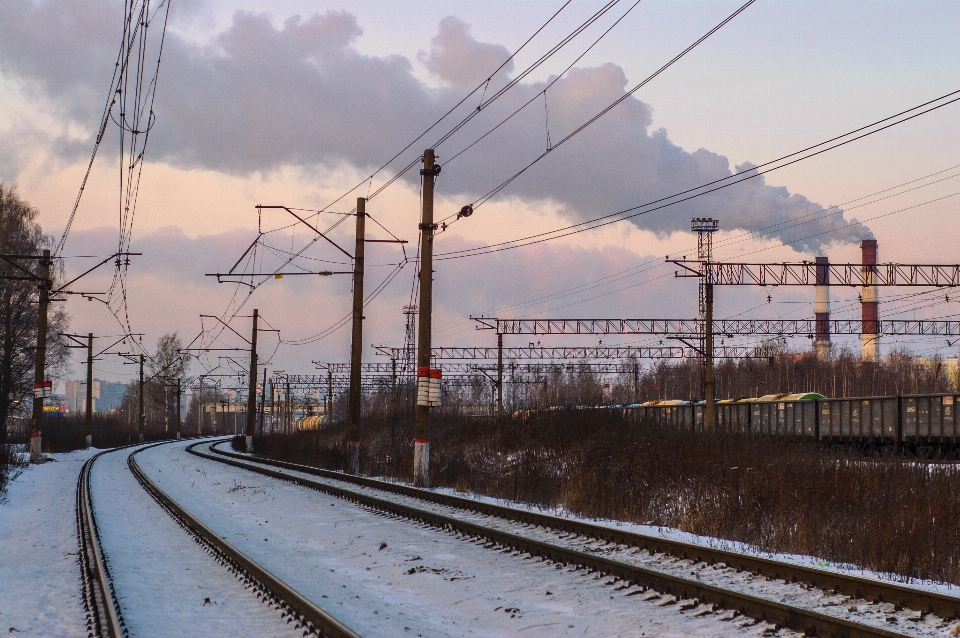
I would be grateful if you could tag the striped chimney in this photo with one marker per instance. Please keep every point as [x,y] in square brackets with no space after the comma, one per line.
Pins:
[870,338]
[821,309]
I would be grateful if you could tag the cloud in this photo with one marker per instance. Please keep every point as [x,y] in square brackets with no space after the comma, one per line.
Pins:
[461,61]
[257,97]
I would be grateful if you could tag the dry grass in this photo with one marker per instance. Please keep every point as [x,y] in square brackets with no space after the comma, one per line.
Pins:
[885,513]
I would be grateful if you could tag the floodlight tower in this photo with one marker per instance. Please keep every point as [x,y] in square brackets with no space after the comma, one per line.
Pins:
[410,337]
[705,227]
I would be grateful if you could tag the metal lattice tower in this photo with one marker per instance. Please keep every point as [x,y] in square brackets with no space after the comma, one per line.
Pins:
[408,364]
[705,227]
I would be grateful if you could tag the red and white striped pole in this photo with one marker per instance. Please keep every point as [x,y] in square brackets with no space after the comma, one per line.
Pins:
[870,337]
[821,310]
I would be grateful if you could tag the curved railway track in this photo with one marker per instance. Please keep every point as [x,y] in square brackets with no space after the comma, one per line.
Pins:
[104,615]
[797,617]
[104,618]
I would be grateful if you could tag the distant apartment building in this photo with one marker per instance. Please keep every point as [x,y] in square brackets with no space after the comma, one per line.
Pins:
[107,395]
[111,396]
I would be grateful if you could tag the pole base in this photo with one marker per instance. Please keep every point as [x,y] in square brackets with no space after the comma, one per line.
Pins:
[36,452]
[353,455]
[141,438]
[178,436]
[248,442]
[421,463]
[89,441]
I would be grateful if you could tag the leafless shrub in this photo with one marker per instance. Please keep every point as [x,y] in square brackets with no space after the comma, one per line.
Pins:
[880,512]
[12,463]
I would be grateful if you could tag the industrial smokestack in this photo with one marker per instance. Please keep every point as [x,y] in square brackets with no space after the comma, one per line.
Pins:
[870,337]
[821,310]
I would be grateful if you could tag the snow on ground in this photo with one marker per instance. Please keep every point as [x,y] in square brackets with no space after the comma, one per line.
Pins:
[880,615]
[673,534]
[714,542]
[40,587]
[390,577]
[167,585]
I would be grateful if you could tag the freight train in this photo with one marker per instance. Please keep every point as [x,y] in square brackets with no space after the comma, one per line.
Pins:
[318,422]
[926,418]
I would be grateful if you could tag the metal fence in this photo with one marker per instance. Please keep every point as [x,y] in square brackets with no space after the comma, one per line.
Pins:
[897,418]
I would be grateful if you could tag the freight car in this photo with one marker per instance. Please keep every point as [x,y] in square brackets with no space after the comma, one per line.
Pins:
[317,422]
[909,419]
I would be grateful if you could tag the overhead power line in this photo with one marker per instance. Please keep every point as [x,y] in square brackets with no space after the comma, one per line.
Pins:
[492,193]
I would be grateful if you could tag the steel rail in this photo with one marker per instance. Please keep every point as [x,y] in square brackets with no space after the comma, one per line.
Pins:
[104,618]
[799,619]
[309,616]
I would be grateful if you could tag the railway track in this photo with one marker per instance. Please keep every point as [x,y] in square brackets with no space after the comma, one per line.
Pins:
[104,615]
[591,546]
[104,618]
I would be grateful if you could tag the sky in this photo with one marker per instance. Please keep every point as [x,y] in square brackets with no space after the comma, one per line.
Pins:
[296,102]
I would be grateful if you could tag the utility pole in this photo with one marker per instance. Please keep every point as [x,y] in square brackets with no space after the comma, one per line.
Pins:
[252,390]
[709,419]
[356,346]
[89,410]
[500,374]
[263,400]
[178,407]
[329,397]
[394,390]
[286,422]
[421,437]
[273,404]
[213,415]
[142,418]
[200,409]
[39,380]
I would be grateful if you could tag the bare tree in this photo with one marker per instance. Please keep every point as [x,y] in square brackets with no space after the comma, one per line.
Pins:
[167,366]
[20,234]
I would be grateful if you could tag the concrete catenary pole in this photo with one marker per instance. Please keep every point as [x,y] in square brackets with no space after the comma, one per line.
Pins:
[421,437]
[200,410]
[252,386]
[142,415]
[709,418]
[213,413]
[40,360]
[88,417]
[263,400]
[870,338]
[356,346]
[179,417]
[329,397]
[289,411]
[273,410]
[821,310]
[500,375]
